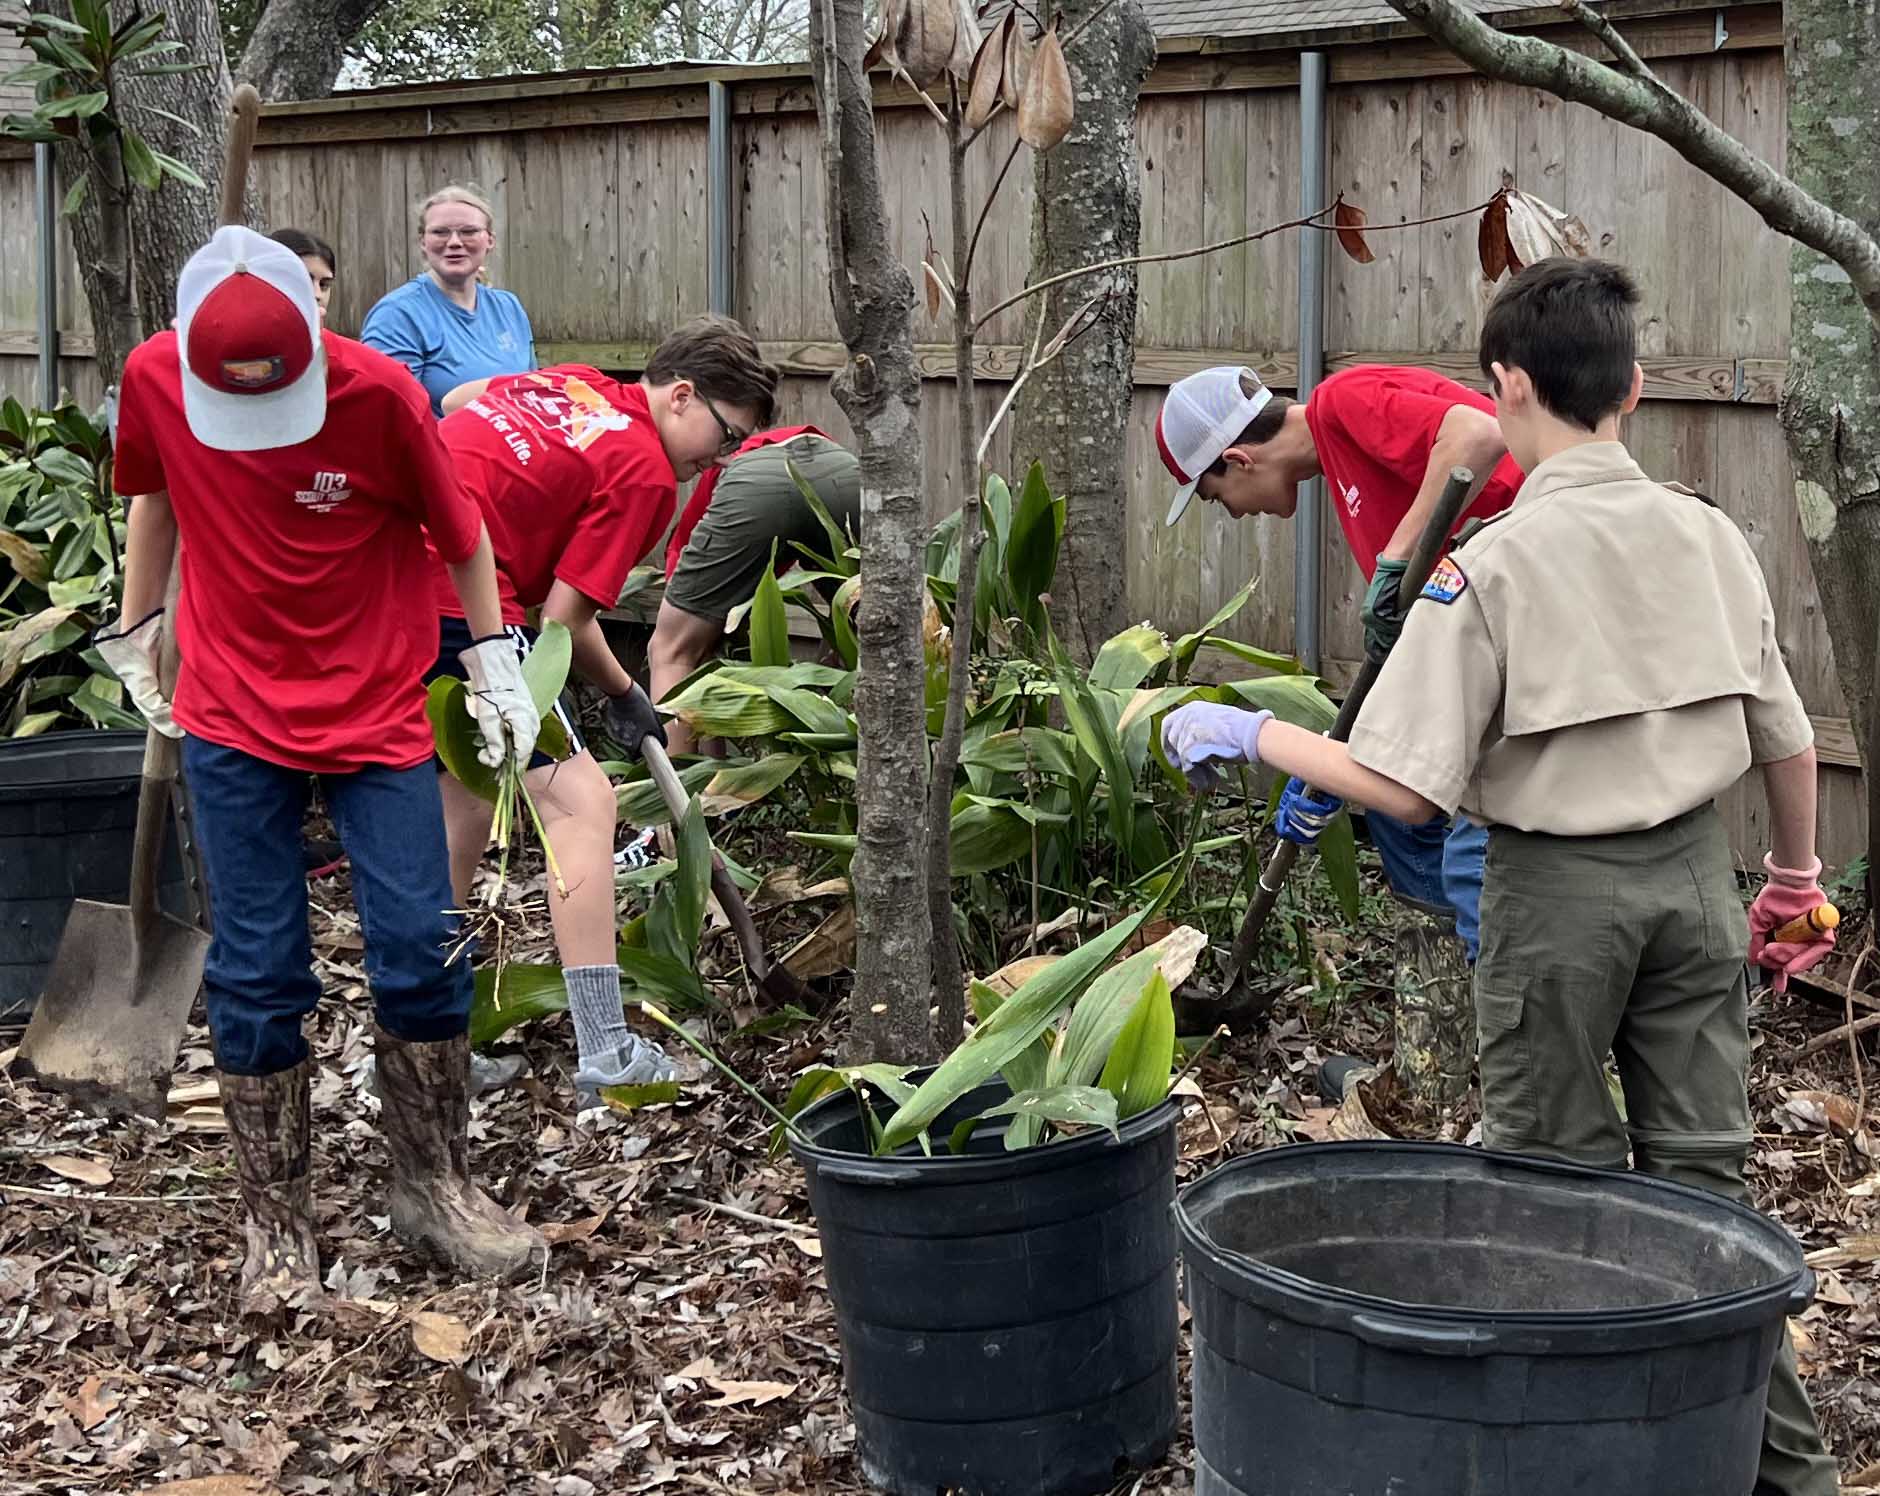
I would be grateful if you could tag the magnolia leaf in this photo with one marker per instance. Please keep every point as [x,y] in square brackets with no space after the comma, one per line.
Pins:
[987,73]
[1046,108]
[936,293]
[1491,238]
[26,558]
[1348,220]
[82,1170]
[1019,51]
[1137,1070]
[75,195]
[924,41]
[827,949]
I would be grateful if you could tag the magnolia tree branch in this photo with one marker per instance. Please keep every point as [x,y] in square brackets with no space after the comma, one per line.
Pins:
[1646,105]
[1310,221]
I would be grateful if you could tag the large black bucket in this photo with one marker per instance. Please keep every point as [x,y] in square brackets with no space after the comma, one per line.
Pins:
[1428,1320]
[68,816]
[1008,1320]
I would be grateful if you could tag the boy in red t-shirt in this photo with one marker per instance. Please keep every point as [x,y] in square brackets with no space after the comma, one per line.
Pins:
[299,472]
[577,476]
[1384,437]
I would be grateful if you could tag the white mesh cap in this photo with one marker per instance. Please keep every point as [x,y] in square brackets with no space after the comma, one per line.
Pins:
[1201,417]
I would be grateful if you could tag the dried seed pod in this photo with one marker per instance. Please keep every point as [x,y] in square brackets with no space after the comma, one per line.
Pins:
[1046,109]
[1348,222]
[1018,55]
[924,40]
[988,71]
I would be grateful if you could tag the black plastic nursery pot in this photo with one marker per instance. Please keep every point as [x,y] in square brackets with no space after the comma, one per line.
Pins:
[1008,1319]
[68,817]
[1429,1320]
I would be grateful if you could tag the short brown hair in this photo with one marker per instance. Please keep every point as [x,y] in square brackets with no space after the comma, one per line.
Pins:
[1572,326]
[722,362]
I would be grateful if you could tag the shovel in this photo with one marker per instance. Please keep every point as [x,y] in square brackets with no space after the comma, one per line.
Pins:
[1235,1006]
[116,1000]
[775,981]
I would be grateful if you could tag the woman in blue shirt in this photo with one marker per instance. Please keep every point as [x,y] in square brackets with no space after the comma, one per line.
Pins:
[443,325]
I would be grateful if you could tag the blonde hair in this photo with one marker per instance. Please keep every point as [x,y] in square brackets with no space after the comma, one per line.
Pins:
[455,194]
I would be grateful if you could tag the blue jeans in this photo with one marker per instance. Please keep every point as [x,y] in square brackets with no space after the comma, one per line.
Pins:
[1437,862]
[259,983]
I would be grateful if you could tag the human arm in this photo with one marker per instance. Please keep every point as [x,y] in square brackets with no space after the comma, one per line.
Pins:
[1466,437]
[148,553]
[474,577]
[132,646]
[1794,888]
[1204,732]
[392,330]
[630,715]
[460,396]
[682,642]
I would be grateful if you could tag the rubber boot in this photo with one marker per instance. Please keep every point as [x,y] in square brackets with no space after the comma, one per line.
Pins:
[269,1119]
[434,1203]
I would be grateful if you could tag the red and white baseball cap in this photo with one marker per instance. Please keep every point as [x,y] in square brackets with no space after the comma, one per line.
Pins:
[248,332]
[1201,417]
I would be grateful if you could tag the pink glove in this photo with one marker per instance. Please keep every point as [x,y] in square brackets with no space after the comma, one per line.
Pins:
[1789,894]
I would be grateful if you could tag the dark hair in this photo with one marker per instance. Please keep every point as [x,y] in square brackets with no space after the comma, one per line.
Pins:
[1262,428]
[1569,326]
[722,362]
[303,243]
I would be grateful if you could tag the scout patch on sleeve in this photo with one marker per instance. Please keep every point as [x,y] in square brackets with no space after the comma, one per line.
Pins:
[1446,583]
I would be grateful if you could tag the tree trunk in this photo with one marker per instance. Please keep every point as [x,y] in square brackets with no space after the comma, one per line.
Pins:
[101,244]
[879,390]
[1831,403]
[298,46]
[172,223]
[1074,416]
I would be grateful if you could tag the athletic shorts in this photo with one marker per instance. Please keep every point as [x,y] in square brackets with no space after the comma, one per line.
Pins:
[453,636]
[755,503]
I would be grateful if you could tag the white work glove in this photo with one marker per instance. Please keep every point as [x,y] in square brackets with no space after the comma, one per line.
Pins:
[499,699]
[1195,735]
[132,655]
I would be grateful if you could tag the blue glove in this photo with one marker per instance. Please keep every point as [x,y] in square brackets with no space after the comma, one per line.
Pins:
[1195,735]
[1302,815]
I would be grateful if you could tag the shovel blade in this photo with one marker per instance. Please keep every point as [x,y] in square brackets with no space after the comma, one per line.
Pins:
[111,1017]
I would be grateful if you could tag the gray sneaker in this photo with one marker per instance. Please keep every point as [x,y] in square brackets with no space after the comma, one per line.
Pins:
[638,1062]
[487,1072]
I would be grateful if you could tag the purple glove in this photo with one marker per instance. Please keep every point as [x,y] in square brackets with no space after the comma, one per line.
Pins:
[1195,735]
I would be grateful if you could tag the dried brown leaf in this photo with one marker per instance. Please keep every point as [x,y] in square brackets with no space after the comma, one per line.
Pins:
[966,41]
[441,1337]
[1822,1110]
[92,1403]
[209,1485]
[558,1232]
[876,54]
[986,74]
[827,949]
[731,1394]
[809,1246]
[1845,1253]
[1019,51]
[1348,223]
[1491,239]
[924,39]
[1014,974]
[1046,109]
[1538,231]
[83,1170]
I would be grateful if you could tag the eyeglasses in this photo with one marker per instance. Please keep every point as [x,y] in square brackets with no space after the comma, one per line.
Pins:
[734,438]
[444,236]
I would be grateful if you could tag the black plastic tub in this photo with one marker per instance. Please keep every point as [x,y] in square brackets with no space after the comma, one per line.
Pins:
[68,816]
[1428,1320]
[1008,1320]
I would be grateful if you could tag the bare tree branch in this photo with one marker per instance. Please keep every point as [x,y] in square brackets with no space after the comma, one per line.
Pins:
[1620,48]
[1534,63]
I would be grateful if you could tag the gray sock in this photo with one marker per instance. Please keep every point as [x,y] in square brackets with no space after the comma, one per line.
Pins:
[600,1026]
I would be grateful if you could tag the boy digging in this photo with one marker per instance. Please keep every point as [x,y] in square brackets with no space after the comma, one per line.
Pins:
[300,471]
[1610,916]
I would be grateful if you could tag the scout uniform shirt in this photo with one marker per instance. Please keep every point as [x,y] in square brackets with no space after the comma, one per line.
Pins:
[1601,659]
[567,467]
[301,631]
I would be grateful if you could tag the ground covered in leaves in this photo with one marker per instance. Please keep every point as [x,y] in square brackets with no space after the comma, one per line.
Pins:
[681,1338]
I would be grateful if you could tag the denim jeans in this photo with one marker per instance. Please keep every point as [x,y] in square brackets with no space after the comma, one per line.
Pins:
[259,983]
[1438,862]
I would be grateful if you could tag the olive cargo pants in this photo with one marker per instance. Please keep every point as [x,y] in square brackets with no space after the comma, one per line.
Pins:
[1632,944]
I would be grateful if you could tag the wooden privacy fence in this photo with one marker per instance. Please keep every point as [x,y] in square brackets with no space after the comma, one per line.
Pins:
[600,184]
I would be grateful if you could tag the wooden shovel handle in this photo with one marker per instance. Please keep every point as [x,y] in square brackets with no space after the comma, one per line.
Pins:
[161,758]
[732,902]
[244,109]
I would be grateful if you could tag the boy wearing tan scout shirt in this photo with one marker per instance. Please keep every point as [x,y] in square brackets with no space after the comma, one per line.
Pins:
[1584,676]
